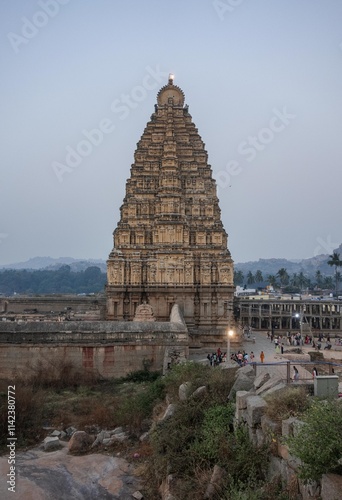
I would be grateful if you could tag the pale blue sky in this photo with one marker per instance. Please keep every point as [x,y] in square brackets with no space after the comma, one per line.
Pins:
[240,69]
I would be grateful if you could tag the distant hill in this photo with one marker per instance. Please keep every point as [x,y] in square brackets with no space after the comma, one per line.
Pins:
[267,266]
[50,263]
[308,266]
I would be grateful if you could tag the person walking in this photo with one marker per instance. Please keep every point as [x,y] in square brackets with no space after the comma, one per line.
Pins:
[295,374]
[314,372]
[262,356]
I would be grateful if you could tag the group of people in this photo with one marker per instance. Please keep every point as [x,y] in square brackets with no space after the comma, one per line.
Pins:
[240,357]
[216,358]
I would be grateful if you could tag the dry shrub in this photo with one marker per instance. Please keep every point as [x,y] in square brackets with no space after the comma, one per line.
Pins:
[291,402]
[28,416]
[96,414]
[56,373]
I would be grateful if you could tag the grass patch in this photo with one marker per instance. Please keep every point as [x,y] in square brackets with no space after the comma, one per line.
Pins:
[43,399]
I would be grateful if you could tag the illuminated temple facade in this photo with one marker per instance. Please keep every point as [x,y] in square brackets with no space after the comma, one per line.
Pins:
[170,245]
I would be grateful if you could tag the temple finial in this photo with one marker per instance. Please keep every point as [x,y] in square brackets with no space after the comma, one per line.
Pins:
[171,78]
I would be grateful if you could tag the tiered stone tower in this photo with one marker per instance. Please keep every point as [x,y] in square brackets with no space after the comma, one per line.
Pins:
[170,245]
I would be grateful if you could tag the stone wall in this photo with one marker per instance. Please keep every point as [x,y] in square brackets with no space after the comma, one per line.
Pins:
[42,307]
[107,348]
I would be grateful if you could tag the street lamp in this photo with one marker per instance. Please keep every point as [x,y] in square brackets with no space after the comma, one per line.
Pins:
[229,336]
[300,316]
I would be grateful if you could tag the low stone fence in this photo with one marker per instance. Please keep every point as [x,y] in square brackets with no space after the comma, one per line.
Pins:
[251,407]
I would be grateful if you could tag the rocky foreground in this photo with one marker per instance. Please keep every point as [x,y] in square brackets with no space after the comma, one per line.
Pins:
[58,475]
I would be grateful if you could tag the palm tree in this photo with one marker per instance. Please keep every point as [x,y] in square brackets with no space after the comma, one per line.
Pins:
[258,276]
[338,277]
[238,277]
[328,282]
[294,279]
[250,278]
[283,276]
[319,279]
[335,261]
[272,280]
[302,280]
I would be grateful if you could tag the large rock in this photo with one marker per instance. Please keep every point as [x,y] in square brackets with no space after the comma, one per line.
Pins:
[184,391]
[267,385]
[256,407]
[260,380]
[61,475]
[242,383]
[100,437]
[310,490]
[169,412]
[80,442]
[241,399]
[331,487]
[281,386]
[51,443]
[246,370]
[215,484]
[199,392]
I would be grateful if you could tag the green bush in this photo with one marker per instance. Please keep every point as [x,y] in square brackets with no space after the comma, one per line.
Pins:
[200,435]
[318,442]
[141,376]
[213,438]
[137,406]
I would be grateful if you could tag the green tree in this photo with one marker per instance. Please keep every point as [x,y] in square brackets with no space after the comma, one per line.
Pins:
[319,279]
[336,262]
[318,442]
[258,276]
[238,277]
[283,276]
[302,280]
[250,278]
[338,278]
[272,280]
[328,282]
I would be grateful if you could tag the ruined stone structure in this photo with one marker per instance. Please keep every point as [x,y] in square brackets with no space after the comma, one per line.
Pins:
[170,245]
[105,348]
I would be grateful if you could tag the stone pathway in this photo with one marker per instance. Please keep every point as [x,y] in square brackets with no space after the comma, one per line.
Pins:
[272,359]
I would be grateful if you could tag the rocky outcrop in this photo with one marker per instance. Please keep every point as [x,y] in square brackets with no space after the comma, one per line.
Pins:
[80,442]
[60,475]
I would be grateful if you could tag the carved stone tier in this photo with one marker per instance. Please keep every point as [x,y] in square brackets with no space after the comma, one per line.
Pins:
[170,245]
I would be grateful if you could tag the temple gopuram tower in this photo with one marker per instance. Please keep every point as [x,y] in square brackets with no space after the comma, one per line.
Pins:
[170,245]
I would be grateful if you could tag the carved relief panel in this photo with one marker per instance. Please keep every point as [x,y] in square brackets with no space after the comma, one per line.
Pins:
[205,273]
[115,273]
[225,274]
